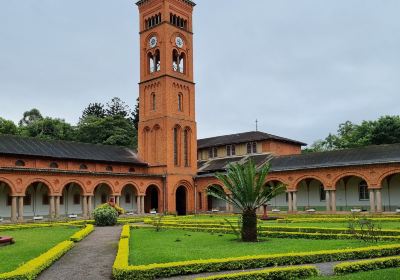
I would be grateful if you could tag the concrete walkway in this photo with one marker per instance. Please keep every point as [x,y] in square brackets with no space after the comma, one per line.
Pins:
[92,258]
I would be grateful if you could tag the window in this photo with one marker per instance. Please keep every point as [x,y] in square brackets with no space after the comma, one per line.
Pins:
[254,147]
[178,21]
[53,165]
[128,198]
[28,199]
[233,150]
[151,63]
[215,152]
[210,152]
[176,155]
[132,170]
[45,199]
[157,61]
[228,150]
[9,200]
[186,147]
[180,101]
[109,168]
[153,21]
[20,163]
[363,191]
[249,148]
[153,101]
[103,198]
[83,167]
[77,199]
[322,193]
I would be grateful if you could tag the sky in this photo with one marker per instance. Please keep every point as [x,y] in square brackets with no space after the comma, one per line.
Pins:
[300,67]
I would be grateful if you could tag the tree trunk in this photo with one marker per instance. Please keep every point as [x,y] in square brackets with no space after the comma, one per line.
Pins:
[249,226]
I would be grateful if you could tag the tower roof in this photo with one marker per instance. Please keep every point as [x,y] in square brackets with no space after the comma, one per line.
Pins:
[141,2]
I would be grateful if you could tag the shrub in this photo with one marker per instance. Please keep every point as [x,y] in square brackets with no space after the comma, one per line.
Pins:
[82,233]
[381,263]
[105,215]
[279,273]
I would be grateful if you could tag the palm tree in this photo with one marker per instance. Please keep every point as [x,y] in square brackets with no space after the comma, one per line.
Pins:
[249,192]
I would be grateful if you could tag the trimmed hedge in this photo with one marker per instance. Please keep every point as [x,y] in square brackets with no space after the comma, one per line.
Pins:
[126,231]
[279,273]
[82,233]
[122,270]
[32,268]
[351,267]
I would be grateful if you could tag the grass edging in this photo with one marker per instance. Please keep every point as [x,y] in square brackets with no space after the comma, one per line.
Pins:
[281,273]
[367,265]
[122,270]
[31,269]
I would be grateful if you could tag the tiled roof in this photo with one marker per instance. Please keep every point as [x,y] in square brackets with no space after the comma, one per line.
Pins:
[382,154]
[242,138]
[23,146]
[140,2]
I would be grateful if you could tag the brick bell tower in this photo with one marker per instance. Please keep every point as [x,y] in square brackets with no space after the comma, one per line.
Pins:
[167,128]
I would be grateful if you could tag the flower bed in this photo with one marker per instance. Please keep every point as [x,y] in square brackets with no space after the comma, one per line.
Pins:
[122,269]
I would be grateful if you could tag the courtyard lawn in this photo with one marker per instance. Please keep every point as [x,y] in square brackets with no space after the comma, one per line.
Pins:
[383,225]
[383,274]
[30,243]
[148,246]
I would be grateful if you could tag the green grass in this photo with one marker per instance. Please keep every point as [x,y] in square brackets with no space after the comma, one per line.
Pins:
[384,274]
[383,225]
[30,243]
[148,246]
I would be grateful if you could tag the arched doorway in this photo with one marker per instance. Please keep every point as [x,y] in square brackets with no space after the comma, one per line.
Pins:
[180,201]
[215,204]
[102,194]
[279,202]
[71,200]
[37,200]
[128,198]
[352,193]
[391,192]
[151,199]
[311,195]
[5,200]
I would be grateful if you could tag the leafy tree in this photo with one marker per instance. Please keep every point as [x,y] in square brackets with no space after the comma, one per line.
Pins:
[8,127]
[50,129]
[249,192]
[117,107]
[30,117]
[386,130]
[135,115]
[94,110]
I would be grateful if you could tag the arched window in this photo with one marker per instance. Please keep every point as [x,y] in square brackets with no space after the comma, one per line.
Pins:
[83,167]
[53,165]
[181,66]
[153,101]
[109,168]
[180,102]
[175,60]
[363,191]
[132,170]
[176,146]
[186,147]
[20,163]
[150,59]
[157,61]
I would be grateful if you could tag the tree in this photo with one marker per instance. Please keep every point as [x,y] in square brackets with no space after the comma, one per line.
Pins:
[30,117]
[135,115]
[117,107]
[386,130]
[249,192]
[50,129]
[8,127]
[94,110]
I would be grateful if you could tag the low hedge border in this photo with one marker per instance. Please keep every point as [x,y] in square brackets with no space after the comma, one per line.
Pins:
[122,270]
[82,233]
[381,263]
[278,273]
[126,231]
[282,234]
[31,269]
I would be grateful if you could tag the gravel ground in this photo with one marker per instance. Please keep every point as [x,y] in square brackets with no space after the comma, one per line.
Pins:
[92,258]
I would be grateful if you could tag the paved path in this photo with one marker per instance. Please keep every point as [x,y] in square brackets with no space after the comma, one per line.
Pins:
[92,258]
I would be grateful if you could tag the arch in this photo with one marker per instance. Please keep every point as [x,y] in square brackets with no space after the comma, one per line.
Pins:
[157,60]
[9,183]
[152,199]
[54,165]
[40,180]
[175,60]
[306,177]
[350,193]
[71,198]
[180,102]
[182,63]
[349,174]
[103,193]
[150,63]
[6,193]
[20,163]
[213,203]
[128,200]
[83,166]
[310,193]
[389,173]
[390,190]
[37,198]
[181,200]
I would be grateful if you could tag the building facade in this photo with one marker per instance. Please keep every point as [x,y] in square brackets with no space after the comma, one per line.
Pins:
[172,170]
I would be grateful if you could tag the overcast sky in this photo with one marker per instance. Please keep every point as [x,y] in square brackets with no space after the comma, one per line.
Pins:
[300,67]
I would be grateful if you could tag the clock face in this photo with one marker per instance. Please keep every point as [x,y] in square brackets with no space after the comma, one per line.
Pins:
[153,42]
[179,42]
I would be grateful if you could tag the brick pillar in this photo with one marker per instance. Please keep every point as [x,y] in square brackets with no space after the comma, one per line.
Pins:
[20,209]
[138,205]
[333,201]
[14,209]
[378,194]
[328,201]
[372,200]
[290,202]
